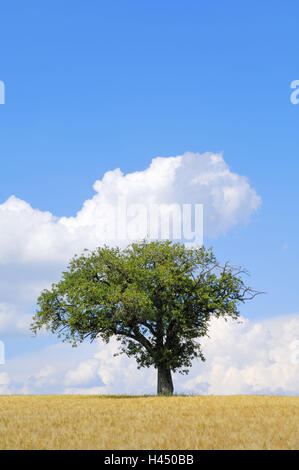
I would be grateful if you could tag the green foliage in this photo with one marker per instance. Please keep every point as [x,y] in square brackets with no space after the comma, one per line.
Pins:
[156,297]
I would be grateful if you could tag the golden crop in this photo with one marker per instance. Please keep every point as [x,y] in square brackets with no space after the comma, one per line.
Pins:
[177,422]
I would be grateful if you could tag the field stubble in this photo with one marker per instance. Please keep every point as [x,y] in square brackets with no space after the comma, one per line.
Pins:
[170,423]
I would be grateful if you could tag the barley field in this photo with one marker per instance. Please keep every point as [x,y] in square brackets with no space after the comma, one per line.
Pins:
[149,422]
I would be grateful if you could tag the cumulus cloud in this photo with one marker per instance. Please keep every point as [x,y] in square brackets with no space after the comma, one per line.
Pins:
[83,373]
[116,374]
[241,358]
[249,358]
[11,320]
[32,236]
[44,369]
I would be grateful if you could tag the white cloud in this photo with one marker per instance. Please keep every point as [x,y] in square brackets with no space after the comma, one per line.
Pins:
[43,375]
[248,358]
[113,372]
[13,321]
[241,358]
[32,236]
[82,374]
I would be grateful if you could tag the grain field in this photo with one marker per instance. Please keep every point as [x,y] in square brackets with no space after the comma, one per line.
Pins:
[149,422]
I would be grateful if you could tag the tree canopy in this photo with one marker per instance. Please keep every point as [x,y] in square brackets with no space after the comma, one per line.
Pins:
[155,297]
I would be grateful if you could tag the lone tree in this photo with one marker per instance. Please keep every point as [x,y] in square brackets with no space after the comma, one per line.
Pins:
[156,298]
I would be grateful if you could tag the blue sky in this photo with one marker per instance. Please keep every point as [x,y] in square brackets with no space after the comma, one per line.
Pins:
[98,85]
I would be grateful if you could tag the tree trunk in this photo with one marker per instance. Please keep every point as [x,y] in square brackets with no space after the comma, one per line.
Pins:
[165,385]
